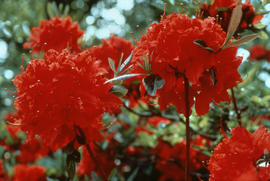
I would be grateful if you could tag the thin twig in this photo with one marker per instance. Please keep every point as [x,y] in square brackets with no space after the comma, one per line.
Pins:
[187,128]
[94,159]
[238,114]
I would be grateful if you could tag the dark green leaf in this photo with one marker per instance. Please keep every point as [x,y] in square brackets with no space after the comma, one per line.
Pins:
[152,83]
[119,90]
[76,156]
[123,77]
[202,44]
[125,63]
[213,75]
[112,64]
[234,23]
[71,165]
[242,40]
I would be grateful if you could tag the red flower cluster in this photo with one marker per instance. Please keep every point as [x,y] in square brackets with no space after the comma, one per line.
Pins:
[239,157]
[114,49]
[258,52]
[61,92]
[29,173]
[171,160]
[172,48]
[222,11]
[56,33]
[87,164]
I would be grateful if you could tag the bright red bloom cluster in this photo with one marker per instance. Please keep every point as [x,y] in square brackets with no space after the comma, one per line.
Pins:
[258,52]
[175,55]
[171,160]
[29,173]
[238,158]
[222,11]
[113,48]
[61,92]
[87,164]
[56,33]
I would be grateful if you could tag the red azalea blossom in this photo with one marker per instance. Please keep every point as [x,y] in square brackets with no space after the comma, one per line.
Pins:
[237,158]
[61,92]
[258,52]
[56,33]
[222,11]
[29,173]
[175,55]
[87,164]
[31,150]
[113,48]
[171,160]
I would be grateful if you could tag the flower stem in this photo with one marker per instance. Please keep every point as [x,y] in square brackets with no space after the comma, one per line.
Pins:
[94,159]
[238,114]
[187,168]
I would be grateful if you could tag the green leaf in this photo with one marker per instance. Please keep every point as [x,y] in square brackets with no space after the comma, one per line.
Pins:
[133,175]
[112,64]
[222,9]
[152,83]
[119,90]
[202,44]
[213,75]
[234,23]
[95,177]
[123,77]
[263,35]
[242,40]
[125,63]
[259,26]
[71,165]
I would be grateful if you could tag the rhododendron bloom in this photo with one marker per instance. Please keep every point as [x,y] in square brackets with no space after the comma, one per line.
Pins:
[174,49]
[171,159]
[222,11]
[87,164]
[56,33]
[29,173]
[242,157]
[61,92]
[258,52]
[113,48]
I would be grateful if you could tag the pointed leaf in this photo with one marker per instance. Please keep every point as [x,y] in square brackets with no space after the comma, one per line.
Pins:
[152,83]
[202,44]
[112,64]
[120,62]
[213,76]
[125,71]
[123,77]
[119,90]
[70,166]
[234,23]
[242,40]
[125,63]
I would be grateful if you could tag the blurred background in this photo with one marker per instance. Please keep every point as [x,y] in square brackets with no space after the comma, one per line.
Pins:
[99,19]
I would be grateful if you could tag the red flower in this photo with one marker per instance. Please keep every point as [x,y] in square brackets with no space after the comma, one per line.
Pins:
[258,52]
[237,158]
[175,54]
[171,160]
[222,11]
[87,164]
[61,92]
[56,33]
[29,173]
[113,48]
[30,151]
